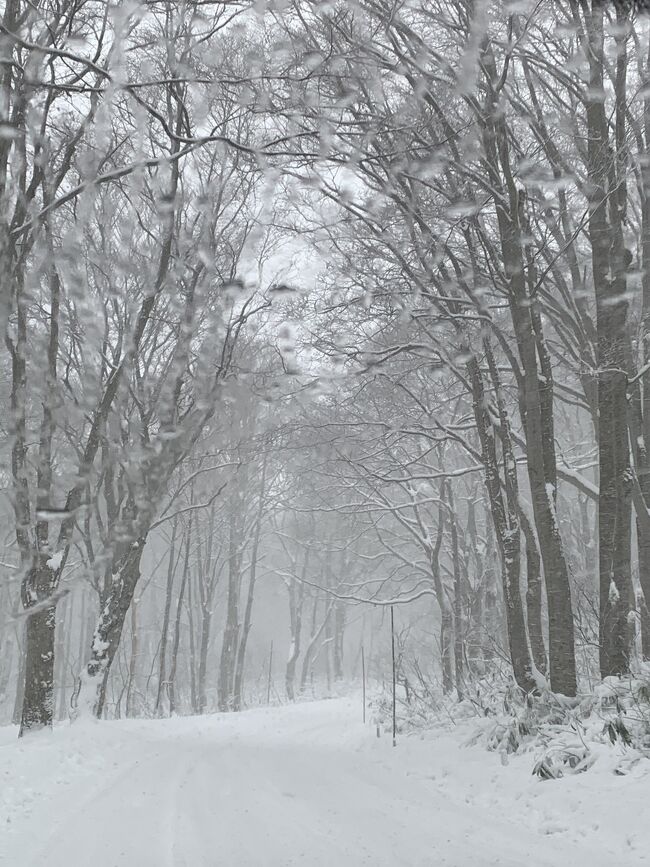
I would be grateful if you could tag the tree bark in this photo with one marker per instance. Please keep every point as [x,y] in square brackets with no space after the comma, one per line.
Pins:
[162,664]
[38,695]
[505,518]
[534,597]
[459,648]
[250,596]
[177,630]
[133,660]
[339,632]
[231,629]
[206,626]
[640,396]
[609,277]
[109,628]
[295,616]
[536,389]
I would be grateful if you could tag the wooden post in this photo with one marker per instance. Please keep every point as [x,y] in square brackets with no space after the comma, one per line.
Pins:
[392,644]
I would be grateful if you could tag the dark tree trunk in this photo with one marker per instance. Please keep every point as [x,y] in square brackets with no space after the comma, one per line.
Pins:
[171,682]
[206,624]
[640,396]
[38,695]
[446,644]
[6,666]
[20,685]
[459,649]
[294,649]
[133,661]
[609,277]
[240,664]
[475,550]
[296,600]
[339,632]
[108,632]
[536,389]
[644,616]
[446,619]
[534,597]
[231,629]
[162,664]
[505,517]
[493,624]
[313,636]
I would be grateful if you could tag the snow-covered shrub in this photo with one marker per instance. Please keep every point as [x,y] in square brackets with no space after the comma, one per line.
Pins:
[568,734]
[423,705]
[557,760]
[565,735]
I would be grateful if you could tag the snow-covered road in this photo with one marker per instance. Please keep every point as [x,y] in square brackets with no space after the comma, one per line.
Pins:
[305,785]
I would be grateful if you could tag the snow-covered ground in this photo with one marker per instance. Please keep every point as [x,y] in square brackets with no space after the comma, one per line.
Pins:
[305,784]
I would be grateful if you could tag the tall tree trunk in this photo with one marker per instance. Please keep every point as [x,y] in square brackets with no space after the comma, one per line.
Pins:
[493,624]
[609,277]
[171,680]
[505,517]
[248,611]
[20,683]
[206,624]
[191,662]
[231,629]
[62,654]
[295,625]
[162,663]
[476,549]
[6,670]
[640,396]
[133,660]
[39,579]
[339,632]
[446,617]
[536,387]
[313,637]
[459,649]
[534,597]
[296,600]
[109,628]
[38,695]
[327,647]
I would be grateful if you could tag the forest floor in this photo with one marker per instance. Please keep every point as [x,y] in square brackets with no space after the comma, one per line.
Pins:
[305,784]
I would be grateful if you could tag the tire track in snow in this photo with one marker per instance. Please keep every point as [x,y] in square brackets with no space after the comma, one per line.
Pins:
[303,785]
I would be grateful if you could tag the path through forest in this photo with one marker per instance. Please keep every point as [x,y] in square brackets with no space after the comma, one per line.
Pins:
[306,784]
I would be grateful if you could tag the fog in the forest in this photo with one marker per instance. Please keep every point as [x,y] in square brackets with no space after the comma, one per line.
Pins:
[325,375]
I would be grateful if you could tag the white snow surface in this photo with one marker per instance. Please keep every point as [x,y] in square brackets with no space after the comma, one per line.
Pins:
[55,560]
[306,784]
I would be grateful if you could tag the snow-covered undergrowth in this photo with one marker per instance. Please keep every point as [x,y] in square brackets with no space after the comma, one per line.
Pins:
[561,736]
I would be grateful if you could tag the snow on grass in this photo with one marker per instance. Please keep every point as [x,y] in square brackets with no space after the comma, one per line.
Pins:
[306,784]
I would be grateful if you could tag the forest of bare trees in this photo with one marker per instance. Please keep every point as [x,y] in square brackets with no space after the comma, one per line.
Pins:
[311,309]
